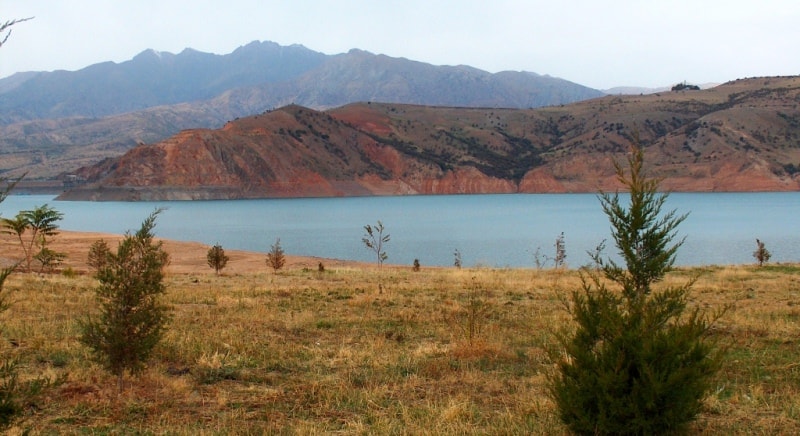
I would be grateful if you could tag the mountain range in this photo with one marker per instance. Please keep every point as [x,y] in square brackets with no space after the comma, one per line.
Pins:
[52,123]
[740,136]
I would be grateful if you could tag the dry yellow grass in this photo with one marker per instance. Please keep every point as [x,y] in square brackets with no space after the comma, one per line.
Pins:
[361,350]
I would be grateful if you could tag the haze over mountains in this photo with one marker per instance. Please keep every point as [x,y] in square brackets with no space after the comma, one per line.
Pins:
[55,122]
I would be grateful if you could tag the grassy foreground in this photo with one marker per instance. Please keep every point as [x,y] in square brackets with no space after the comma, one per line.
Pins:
[361,350]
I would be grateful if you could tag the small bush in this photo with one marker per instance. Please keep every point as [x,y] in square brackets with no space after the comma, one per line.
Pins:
[560,260]
[276,258]
[539,259]
[457,259]
[473,315]
[49,259]
[98,255]
[374,240]
[216,258]
[761,254]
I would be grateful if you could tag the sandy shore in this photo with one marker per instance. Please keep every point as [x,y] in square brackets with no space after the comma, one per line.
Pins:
[185,257]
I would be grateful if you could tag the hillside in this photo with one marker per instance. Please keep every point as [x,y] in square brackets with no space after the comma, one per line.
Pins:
[740,136]
[56,122]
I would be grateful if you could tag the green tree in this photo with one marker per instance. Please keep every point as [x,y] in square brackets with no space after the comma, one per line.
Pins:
[637,362]
[98,256]
[132,318]
[216,257]
[276,258]
[761,254]
[374,239]
[32,229]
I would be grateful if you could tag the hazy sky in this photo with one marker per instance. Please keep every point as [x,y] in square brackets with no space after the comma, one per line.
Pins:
[592,42]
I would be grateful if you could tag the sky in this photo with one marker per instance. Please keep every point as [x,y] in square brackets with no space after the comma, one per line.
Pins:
[596,43]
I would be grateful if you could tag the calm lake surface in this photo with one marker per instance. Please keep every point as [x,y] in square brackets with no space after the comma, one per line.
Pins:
[489,230]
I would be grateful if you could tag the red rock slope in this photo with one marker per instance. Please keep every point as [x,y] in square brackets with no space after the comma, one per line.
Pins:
[741,136]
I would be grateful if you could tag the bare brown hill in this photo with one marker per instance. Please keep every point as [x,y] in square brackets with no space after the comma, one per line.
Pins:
[740,136]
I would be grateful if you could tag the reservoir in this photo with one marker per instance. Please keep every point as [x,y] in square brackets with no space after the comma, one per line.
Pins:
[488,230]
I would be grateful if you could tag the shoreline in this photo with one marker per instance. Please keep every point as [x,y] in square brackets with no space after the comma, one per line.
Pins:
[189,257]
[185,257]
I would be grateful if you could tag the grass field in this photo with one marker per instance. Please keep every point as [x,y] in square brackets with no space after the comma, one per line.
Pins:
[357,349]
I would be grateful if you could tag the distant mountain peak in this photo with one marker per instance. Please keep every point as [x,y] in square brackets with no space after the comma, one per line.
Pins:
[151,54]
[198,89]
[358,51]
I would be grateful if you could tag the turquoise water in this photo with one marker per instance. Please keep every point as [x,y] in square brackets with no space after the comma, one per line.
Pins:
[490,230]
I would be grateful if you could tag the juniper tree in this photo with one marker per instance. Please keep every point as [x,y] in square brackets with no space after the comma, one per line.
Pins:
[276,258]
[98,255]
[216,257]
[637,361]
[761,254]
[132,318]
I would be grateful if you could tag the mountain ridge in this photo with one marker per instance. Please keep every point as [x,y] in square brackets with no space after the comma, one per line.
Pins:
[740,136]
[53,123]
